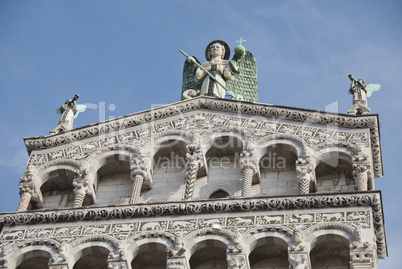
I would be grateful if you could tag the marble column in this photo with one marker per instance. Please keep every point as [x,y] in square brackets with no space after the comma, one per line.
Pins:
[195,161]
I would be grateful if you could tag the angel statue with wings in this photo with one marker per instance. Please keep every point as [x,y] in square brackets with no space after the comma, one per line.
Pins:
[69,111]
[360,92]
[219,76]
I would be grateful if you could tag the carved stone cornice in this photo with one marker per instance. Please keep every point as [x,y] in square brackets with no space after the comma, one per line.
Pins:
[319,201]
[204,102]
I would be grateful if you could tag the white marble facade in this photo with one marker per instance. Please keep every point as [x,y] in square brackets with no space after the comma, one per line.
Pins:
[202,183]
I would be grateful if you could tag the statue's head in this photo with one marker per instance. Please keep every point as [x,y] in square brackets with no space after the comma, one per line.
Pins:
[217,47]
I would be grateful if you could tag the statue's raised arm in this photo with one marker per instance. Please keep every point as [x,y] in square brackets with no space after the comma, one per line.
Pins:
[360,92]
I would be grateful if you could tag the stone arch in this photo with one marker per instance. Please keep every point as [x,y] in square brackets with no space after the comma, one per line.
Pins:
[253,236]
[149,252]
[207,139]
[32,254]
[166,155]
[333,169]
[207,248]
[347,232]
[222,148]
[99,158]
[91,251]
[55,179]
[151,236]
[277,165]
[111,242]
[107,166]
[167,143]
[153,143]
[44,170]
[346,153]
[330,248]
[220,187]
[352,148]
[299,145]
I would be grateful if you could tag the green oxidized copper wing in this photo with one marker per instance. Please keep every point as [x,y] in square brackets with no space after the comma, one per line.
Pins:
[245,83]
[189,79]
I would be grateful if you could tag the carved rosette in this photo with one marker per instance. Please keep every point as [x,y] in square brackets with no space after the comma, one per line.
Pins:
[305,174]
[139,174]
[194,158]
[27,192]
[249,167]
[237,261]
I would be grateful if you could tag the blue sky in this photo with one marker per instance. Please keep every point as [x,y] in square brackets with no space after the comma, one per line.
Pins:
[122,57]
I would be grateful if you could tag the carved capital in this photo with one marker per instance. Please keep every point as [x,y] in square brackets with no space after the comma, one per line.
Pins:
[29,175]
[237,261]
[299,261]
[82,171]
[139,174]
[140,167]
[247,161]
[27,188]
[194,155]
[81,188]
[305,174]
[361,174]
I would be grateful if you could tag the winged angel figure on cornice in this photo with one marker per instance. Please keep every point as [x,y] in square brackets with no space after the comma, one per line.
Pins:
[219,76]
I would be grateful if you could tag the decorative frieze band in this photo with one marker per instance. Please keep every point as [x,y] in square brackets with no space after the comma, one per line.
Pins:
[313,135]
[196,207]
[364,199]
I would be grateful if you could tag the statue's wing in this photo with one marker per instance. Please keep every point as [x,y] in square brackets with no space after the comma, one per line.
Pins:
[58,111]
[372,88]
[189,78]
[245,83]
[80,108]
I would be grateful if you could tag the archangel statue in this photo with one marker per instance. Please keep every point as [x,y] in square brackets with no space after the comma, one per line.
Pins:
[360,92]
[219,76]
[68,112]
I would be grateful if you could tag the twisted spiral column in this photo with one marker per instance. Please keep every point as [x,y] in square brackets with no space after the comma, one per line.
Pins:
[247,180]
[249,167]
[190,181]
[81,188]
[194,162]
[26,193]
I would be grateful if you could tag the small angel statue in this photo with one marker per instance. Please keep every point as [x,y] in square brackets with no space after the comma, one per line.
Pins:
[69,111]
[360,92]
